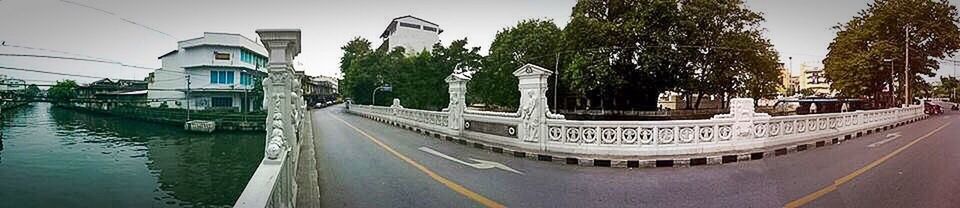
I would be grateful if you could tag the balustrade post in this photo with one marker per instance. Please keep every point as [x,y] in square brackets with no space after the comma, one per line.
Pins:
[533,109]
[744,118]
[279,93]
[457,88]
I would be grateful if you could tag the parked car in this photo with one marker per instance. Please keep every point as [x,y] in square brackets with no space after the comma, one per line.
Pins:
[931,109]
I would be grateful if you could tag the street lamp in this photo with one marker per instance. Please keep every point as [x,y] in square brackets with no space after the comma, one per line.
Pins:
[385,88]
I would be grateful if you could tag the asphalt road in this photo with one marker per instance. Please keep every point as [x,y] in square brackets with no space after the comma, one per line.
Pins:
[363,163]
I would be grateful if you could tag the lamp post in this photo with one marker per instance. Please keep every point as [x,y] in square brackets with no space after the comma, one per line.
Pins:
[385,88]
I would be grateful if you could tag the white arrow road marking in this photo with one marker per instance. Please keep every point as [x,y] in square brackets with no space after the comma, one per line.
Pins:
[890,137]
[481,164]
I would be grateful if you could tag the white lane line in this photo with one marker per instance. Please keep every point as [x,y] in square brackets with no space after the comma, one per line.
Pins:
[890,137]
[481,164]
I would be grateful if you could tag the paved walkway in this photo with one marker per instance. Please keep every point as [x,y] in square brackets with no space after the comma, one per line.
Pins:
[362,163]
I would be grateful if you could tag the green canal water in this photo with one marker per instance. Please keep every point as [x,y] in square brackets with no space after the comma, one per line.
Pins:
[52,157]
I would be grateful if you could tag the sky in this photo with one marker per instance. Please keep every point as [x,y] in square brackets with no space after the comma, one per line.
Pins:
[111,29]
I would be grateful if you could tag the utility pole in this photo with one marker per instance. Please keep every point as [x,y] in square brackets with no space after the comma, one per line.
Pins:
[188,96]
[893,92]
[906,66]
[556,79]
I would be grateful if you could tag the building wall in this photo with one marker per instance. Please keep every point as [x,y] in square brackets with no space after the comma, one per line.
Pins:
[411,39]
[814,78]
[196,57]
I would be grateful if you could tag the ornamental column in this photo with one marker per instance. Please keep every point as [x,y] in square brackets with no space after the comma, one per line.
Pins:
[533,102]
[457,88]
[279,93]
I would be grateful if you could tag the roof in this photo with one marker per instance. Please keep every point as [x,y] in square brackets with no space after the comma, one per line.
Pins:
[223,39]
[531,69]
[393,24]
[167,54]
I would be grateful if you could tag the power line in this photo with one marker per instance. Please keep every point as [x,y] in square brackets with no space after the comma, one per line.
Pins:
[96,60]
[76,59]
[55,73]
[119,17]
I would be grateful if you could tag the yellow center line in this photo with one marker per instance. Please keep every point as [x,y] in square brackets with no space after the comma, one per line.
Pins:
[450,184]
[836,183]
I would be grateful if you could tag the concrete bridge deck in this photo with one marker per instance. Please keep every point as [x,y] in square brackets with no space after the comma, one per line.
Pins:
[357,162]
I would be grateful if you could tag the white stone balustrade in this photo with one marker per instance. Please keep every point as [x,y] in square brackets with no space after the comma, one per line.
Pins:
[534,129]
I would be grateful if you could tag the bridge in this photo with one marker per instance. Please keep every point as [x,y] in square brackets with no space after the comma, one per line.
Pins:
[391,156]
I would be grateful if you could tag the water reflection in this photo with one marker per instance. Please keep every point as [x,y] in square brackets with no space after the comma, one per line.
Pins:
[163,165]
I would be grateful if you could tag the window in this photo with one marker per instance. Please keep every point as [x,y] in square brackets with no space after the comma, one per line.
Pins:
[253,58]
[428,28]
[409,25]
[246,78]
[221,77]
[221,56]
[221,102]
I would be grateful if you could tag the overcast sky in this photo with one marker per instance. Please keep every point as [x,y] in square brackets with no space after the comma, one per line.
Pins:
[798,29]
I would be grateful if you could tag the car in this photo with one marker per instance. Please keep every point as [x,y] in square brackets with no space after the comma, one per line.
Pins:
[932,109]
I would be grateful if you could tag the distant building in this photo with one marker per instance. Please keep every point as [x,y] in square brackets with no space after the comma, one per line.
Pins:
[11,84]
[411,33]
[222,69]
[790,83]
[319,89]
[106,93]
[813,78]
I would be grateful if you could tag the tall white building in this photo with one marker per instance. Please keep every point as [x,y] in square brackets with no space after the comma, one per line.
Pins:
[411,33]
[221,68]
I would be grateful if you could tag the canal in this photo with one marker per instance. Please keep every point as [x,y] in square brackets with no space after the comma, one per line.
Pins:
[52,157]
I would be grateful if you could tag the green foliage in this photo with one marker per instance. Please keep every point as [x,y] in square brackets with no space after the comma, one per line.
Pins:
[417,79]
[32,91]
[855,63]
[628,52]
[63,91]
[948,88]
[531,41]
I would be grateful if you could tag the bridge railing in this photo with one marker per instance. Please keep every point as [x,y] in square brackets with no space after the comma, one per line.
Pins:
[273,184]
[536,130]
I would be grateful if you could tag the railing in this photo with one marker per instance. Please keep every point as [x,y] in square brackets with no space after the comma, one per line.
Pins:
[431,120]
[725,133]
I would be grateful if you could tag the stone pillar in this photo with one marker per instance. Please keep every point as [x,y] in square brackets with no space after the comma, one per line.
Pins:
[457,86]
[279,94]
[744,118]
[533,102]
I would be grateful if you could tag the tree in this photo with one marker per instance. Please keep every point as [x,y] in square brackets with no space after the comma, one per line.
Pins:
[63,91]
[623,52]
[725,52]
[417,79]
[855,61]
[948,88]
[32,91]
[630,51]
[532,41]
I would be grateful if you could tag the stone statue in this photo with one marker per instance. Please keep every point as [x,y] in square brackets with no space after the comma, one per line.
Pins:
[455,111]
[530,118]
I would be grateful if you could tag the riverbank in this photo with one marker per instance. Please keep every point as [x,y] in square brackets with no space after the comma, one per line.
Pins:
[225,121]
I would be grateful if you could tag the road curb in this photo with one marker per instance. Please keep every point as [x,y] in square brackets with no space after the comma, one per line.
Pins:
[667,161]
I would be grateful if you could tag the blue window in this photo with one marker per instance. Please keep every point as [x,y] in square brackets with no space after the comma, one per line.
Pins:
[245,78]
[221,77]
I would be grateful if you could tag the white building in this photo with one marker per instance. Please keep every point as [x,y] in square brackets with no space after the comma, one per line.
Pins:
[11,84]
[221,68]
[411,33]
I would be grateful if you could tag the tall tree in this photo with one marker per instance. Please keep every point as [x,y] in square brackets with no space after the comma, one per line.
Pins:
[855,61]
[624,51]
[725,52]
[532,41]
